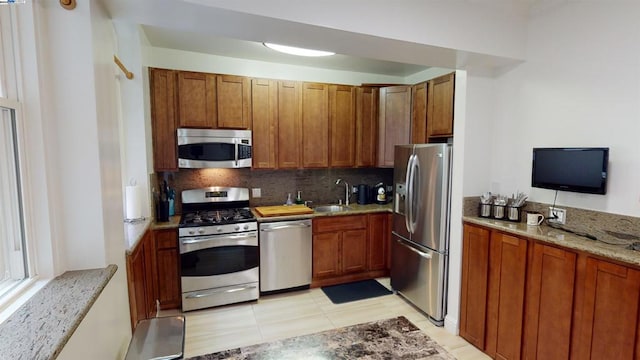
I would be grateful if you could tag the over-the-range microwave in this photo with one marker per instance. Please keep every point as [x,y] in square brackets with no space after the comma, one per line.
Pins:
[214,148]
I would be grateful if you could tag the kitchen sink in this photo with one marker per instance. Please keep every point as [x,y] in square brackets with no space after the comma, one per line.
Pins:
[331,208]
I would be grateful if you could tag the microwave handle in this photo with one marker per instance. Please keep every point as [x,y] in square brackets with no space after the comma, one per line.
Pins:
[237,149]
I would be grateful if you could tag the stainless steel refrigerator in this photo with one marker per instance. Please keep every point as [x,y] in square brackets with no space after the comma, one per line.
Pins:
[420,244]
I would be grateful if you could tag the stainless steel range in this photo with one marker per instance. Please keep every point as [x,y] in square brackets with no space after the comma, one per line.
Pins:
[219,254]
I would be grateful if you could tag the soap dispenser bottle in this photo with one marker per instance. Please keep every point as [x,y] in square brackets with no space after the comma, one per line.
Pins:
[289,200]
[299,198]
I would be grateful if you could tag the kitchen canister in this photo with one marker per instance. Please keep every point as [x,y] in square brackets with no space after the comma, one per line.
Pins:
[484,210]
[514,213]
[498,211]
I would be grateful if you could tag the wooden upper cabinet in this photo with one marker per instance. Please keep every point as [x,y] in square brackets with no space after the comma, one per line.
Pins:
[264,103]
[234,102]
[440,106]
[609,312]
[163,119]
[289,136]
[196,100]
[315,125]
[475,278]
[394,121]
[342,120]
[549,303]
[505,297]
[419,113]
[366,126]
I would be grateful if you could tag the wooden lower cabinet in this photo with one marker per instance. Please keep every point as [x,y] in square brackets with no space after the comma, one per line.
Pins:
[570,304]
[608,327]
[140,281]
[349,248]
[505,295]
[379,237]
[475,277]
[168,269]
[549,310]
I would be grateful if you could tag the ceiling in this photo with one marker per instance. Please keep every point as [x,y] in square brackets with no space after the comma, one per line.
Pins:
[229,47]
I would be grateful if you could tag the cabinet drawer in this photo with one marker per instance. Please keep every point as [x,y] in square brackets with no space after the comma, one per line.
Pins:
[166,239]
[337,223]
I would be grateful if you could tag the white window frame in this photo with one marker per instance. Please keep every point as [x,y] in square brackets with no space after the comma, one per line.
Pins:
[10,99]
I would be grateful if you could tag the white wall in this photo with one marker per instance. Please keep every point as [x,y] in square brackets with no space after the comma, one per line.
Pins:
[579,87]
[81,138]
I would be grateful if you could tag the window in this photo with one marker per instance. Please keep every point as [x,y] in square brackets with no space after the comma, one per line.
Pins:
[13,255]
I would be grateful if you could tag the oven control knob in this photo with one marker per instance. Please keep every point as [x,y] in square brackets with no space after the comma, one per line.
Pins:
[219,229]
[246,227]
[191,232]
[236,228]
[200,231]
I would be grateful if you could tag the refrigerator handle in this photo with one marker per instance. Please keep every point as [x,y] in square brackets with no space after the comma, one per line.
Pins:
[407,202]
[416,196]
[421,253]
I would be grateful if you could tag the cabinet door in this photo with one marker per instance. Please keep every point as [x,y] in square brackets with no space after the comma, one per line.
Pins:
[379,234]
[234,102]
[168,271]
[315,125]
[342,120]
[354,251]
[419,113]
[136,284]
[609,324]
[549,302]
[163,119]
[289,124]
[264,96]
[394,121]
[149,266]
[326,259]
[505,300]
[440,106]
[196,100]
[366,126]
[475,275]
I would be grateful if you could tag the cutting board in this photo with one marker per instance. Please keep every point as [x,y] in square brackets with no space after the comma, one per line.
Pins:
[283,210]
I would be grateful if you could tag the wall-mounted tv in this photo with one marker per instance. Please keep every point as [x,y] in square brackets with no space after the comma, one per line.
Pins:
[582,170]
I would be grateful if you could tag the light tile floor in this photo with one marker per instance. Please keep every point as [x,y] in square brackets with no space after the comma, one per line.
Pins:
[297,313]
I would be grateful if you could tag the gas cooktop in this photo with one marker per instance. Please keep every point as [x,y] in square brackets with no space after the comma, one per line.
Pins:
[216,217]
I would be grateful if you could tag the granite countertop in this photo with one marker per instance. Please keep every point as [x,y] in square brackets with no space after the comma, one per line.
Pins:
[133,231]
[606,246]
[41,327]
[354,209]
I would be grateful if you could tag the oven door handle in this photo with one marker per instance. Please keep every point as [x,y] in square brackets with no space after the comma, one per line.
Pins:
[199,240]
[201,294]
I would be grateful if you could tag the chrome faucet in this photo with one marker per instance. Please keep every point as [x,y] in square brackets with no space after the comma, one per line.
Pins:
[346,191]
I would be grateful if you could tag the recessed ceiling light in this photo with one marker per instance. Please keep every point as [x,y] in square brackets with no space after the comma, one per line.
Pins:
[298,51]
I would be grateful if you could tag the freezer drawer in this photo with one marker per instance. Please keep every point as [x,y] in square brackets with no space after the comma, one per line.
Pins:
[285,255]
[420,276]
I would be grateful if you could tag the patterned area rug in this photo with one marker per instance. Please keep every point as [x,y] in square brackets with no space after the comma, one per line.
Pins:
[385,339]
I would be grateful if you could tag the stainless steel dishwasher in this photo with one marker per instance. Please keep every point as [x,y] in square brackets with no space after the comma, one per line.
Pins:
[285,255]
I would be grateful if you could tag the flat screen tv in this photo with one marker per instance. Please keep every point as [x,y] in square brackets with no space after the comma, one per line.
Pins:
[582,170]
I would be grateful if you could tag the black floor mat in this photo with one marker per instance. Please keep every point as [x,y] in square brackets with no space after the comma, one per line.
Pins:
[355,291]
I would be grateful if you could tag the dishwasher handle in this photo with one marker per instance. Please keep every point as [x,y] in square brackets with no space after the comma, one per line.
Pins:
[288,226]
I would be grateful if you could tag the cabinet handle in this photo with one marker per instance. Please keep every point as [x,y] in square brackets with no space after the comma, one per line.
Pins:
[296,226]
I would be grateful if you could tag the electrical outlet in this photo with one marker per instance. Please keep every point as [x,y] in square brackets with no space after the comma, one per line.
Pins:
[558,216]
[256,192]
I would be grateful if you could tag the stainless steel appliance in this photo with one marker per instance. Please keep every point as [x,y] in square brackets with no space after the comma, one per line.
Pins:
[420,245]
[285,255]
[218,240]
[214,148]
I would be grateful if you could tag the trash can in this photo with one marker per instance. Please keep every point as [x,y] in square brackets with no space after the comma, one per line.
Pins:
[157,338]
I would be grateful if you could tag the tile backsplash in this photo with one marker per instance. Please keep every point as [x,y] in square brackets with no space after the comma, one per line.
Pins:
[317,185]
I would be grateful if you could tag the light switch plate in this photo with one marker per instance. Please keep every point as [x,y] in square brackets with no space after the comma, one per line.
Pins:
[256,192]
[561,215]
